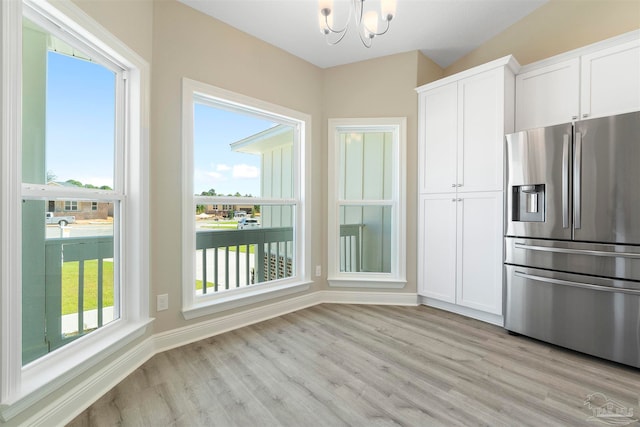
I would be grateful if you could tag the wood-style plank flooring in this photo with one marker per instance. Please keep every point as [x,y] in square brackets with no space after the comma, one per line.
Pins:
[353,365]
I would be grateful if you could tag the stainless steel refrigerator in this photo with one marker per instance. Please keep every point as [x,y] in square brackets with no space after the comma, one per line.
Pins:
[572,241]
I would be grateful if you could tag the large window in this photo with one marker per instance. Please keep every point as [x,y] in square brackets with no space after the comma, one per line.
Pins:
[244,214]
[366,202]
[76,143]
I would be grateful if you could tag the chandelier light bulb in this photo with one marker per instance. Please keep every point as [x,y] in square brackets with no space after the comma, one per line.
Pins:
[387,9]
[370,24]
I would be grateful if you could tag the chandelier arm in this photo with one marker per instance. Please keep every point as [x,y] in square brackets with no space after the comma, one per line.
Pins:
[330,43]
[364,40]
[333,30]
[358,11]
[382,33]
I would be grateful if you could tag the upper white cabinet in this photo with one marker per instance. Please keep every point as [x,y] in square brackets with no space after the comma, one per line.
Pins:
[611,81]
[463,120]
[548,96]
[595,81]
[438,142]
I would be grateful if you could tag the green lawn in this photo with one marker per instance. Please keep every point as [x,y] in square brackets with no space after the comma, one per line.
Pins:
[70,286]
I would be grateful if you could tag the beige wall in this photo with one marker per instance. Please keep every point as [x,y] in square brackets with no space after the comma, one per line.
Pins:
[556,27]
[130,21]
[383,87]
[428,71]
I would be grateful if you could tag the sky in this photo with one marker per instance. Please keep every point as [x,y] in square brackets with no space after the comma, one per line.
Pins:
[80,120]
[215,165]
[83,93]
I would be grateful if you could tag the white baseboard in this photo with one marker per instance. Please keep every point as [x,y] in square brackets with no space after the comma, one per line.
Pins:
[68,405]
[365,297]
[188,334]
[494,319]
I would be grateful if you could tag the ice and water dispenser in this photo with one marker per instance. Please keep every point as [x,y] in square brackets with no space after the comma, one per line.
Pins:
[528,203]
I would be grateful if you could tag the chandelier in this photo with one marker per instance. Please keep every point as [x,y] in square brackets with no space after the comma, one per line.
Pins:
[367,23]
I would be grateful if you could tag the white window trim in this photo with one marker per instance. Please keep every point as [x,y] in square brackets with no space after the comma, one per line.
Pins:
[397,277]
[22,386]
[193,306]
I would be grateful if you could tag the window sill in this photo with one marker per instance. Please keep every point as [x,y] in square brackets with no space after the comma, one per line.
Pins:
[230,301]
[364,282]
[51,371]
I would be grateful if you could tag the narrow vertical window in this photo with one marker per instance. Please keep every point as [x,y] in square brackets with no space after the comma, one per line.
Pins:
[366,213]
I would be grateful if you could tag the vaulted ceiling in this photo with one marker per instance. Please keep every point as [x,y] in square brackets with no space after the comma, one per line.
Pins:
[444,30]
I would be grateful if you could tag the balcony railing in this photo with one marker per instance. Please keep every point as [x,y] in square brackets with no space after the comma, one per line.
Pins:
[64,250]
[228,254]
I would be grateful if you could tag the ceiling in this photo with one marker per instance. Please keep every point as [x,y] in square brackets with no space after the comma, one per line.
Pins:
[444,30]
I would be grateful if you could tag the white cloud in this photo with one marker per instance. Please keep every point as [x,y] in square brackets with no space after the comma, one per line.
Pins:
[243,171]
[223,168]
[216,176]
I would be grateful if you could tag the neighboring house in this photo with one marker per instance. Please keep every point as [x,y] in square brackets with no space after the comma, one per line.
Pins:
[227,211]
[80,209]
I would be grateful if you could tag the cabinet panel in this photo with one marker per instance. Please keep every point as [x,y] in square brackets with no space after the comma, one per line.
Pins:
[611,81]
[481,132]
[438,146]
[548,95]
[437,247]
[479,252]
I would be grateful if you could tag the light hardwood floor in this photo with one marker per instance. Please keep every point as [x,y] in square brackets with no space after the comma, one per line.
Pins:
[352,365]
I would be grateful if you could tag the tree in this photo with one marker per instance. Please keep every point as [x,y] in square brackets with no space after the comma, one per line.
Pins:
[211,192]
[51,177]
[74,182]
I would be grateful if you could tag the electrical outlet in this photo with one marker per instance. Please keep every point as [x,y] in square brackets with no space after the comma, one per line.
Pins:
[162,302]
[318,270]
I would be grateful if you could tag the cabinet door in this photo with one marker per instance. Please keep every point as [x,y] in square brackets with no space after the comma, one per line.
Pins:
[438,140]
[437,247]
[479,251]
[548,95]
[481,132]
[611,81]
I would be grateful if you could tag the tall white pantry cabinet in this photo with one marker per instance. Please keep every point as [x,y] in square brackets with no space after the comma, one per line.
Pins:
[462,122]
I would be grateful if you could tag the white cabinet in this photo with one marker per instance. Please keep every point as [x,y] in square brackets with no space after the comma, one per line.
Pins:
[461,249]
[611,81]
[463,120]
[592,82]
[437,246]
[462,126]
[548,96]
[439,112]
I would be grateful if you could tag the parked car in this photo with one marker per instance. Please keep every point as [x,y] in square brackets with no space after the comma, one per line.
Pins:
[245,223]
[62,220]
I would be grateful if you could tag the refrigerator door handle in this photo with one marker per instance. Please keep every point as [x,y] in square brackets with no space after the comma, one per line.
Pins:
[577,182]
[565,181]
[575,284]
[577,251]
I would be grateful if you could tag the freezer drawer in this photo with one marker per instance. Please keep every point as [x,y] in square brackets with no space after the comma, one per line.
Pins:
[606,260]
[596,316]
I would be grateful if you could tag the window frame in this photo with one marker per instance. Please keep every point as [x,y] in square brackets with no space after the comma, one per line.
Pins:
[20,386]
[397,277]
[70,205]
[194,306]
